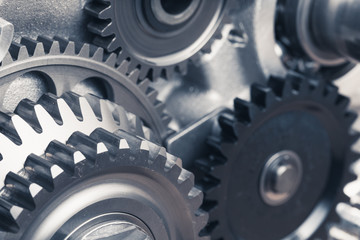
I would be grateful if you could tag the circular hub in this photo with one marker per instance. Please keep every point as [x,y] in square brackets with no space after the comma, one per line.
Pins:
[280,177]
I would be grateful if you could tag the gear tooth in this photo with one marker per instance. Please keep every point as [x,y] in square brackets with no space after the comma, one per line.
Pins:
[144,85]
[207,47]
[299,83]
[331,93]
[152,94]
[245,112]
[7,221]
[134,75]
[73,101]
[354,137]
[61,155]
[277,85]
[262,96]
[186,180]
[98,55]
[342,102]
[166,119]
[124,66]
[208,183]
[84,50]
[182,68]
[102,28]
[46,42]
[35,48]
[156,73]
[8,129]
[110,43]
[18,51]
[227,123]
[196,197]
[19,192]
[111,60]
[39,171]
[86,145]
[168,72]
[66,47]
[350,118]
[202,220]
[50,103]
[7,60]
[111,141]
[99,10]
[95,104]
[26,110]
[159,106]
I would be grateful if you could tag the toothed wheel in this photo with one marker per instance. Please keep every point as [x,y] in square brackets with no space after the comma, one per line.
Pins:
[158,36]
[60,66]
[102,186]
[280,162]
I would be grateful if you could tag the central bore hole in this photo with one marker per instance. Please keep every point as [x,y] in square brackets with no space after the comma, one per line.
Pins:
[175,6]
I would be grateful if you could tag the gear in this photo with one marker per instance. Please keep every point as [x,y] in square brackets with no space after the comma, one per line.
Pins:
[105,186]
[65,66]
[158,37]
[349,227]
[280,162]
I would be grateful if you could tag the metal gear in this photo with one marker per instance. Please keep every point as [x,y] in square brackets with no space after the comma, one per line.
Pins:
[105,186]
[280,162]
[158,37]
[64,66]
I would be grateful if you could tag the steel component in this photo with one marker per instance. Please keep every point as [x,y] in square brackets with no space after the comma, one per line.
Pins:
[6,37]
[158,37]
[58,65]
[113,181]
[306,117]
[280,178]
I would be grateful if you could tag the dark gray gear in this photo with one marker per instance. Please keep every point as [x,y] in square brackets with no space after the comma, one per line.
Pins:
[102,186]
[157,36]
[279,166]
[67,66]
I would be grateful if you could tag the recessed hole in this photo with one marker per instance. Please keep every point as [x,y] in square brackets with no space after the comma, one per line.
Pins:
[175,6]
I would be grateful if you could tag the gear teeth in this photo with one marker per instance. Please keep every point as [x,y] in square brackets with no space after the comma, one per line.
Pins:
[8,129]
[350,118]
[227,123]
[152,94]
[124,66]
[86,145]
[7,221]
[98,9]
[96,106]
[111,60]
[19,191]
[245,112]
[331,93]
[112,142]
[208,184]
[50,103]
[51,46]
[35,48]
[342,102]
[66,47]
[134,75]
[144,85]
[159,106]
[18,51]
[7,59]
[282,88]
[73,101]
[262,96]
[98,55]
[299,84]
[26,110]
[39,171]
[61,155]
[186,182]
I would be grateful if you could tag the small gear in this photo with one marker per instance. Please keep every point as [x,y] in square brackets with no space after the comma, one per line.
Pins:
[280,162]
[105,186]
[67,66]
[158,37]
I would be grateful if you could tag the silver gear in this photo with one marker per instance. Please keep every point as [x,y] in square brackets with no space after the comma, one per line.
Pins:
[154,40]
[113,181]
[65,65]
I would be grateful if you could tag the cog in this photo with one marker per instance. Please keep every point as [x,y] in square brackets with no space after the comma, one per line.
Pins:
[66,66]
[280,162]
[158,37]
[121,185]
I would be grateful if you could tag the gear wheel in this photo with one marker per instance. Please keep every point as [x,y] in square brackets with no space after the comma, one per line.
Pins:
[158,37]
[280,162]
[66,66]
[118,186]
[349,227]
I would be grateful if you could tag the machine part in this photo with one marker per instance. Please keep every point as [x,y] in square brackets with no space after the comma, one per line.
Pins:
[58,66]
[55,118]
[106,186]
[158,36]
[292,129]
[314,38]
[6,36]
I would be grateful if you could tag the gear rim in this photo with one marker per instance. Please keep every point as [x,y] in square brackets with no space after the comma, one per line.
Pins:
[279,92]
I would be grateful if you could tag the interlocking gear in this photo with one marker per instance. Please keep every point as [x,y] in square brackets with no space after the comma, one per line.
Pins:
[66,66]
[158,37]
[121,185]
[280,162]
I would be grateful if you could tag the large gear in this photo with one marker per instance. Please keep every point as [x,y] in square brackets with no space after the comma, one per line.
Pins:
[65,66]
[122,186]
[158,37]
[280,162]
